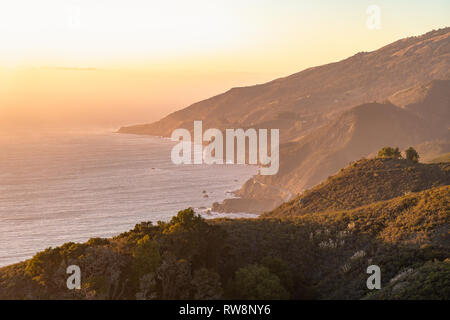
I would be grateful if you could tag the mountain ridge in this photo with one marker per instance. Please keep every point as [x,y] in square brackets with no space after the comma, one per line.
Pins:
[333,114]
[307,99]
[358,132]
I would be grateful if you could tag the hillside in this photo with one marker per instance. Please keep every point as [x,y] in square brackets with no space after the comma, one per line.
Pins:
[313,256]
[433,149]
[443,158]
[327,217]
[356,133]
[393,213]
[327,117]
[363,182]
[430,101]
[302,102]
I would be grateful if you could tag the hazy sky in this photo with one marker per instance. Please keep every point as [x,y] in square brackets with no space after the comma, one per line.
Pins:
[158,56]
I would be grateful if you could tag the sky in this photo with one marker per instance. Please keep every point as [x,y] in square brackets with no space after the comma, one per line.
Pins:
[112,62]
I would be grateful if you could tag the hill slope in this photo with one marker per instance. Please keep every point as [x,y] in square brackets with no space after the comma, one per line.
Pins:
[319,255]
[356,133]
[443,158]
[321,129]
[430,150]
[306,100]
[365,182]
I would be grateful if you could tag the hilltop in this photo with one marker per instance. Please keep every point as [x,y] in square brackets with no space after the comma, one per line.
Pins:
[364,182]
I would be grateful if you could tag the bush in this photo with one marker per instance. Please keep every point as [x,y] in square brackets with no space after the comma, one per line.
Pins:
[388,152]
[412,155]
[146,256]
[256,282]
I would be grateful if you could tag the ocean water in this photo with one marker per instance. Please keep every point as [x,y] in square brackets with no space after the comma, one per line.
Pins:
[71,186]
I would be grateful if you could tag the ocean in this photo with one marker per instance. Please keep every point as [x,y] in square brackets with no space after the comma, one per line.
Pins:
[57,187]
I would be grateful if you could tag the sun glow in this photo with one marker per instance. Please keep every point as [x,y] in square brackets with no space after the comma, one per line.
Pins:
[98,32]
[110,59]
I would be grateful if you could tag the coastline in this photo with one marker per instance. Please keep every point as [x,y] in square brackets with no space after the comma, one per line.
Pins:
[245,201]
[110,184]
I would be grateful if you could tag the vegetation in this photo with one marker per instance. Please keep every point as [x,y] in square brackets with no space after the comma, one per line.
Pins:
[412,155]
[364,182]
[429,281]
[257,282]
[388,152]
[318,254]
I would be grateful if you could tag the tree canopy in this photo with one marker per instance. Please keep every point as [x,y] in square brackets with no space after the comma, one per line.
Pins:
[389,152]
[412,155]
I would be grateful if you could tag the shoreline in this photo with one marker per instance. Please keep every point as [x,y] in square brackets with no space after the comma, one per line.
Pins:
[112,184]
[238,204]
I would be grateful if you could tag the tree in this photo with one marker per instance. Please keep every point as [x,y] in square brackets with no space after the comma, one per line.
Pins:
[185,220]
[256,282]
[175,277]
[280,268]
[102,272]
[207,285]
[188,236]
[412,155]
[146,256]
[389,152]
[148,289]
[43,266]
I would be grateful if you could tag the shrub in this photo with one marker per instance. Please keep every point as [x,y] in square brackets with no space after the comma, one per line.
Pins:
[412,155]
[256,282]
[389,152]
